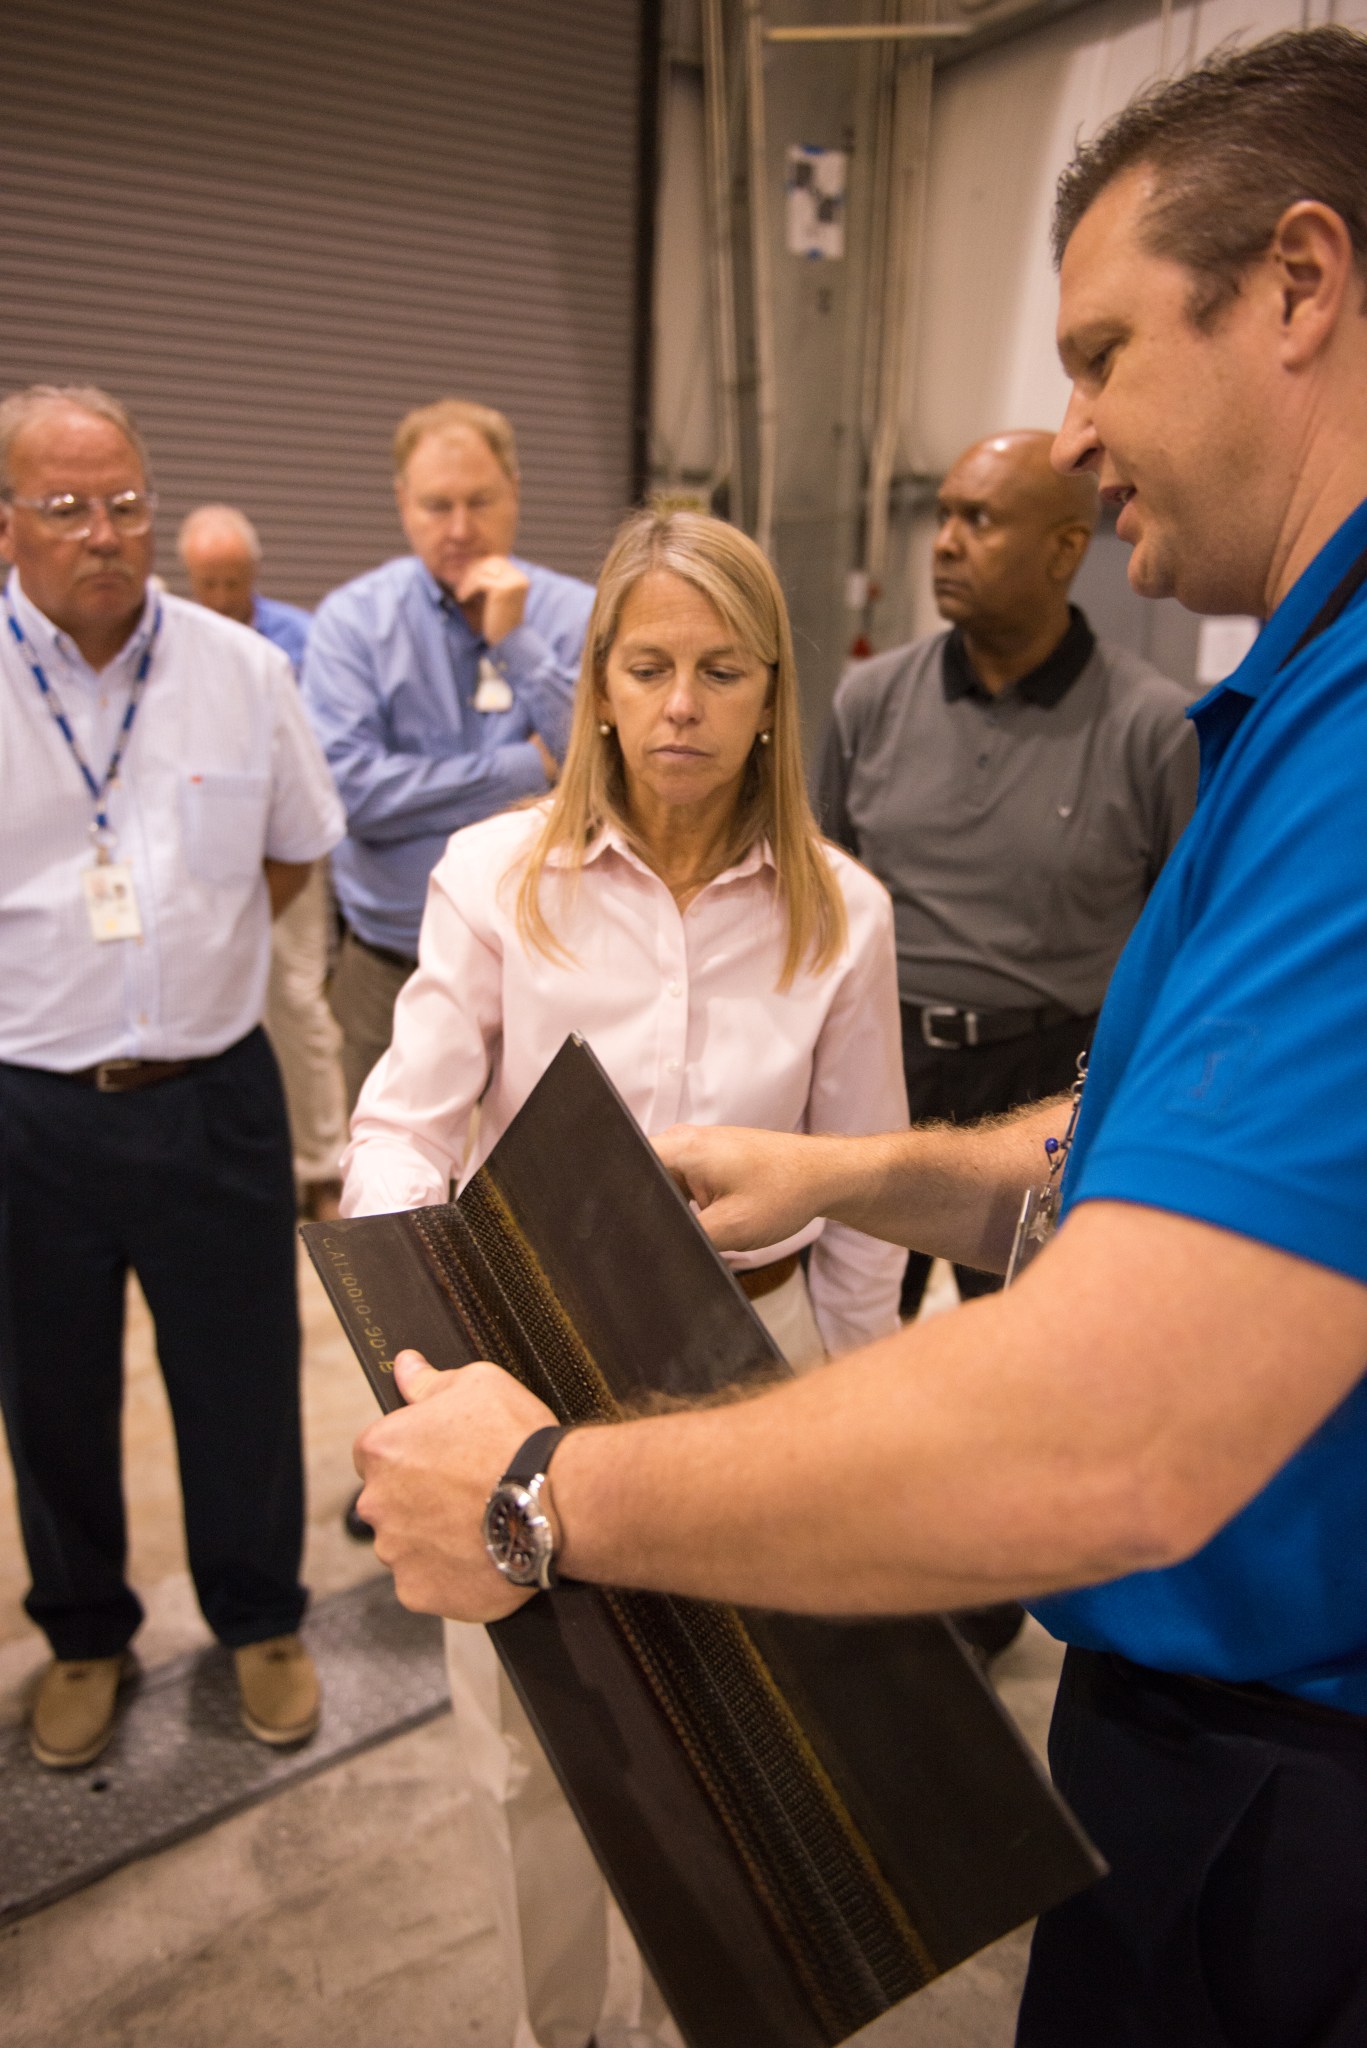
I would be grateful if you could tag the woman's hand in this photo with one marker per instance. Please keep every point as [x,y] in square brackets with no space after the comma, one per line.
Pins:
[752,1188]
[428,1470]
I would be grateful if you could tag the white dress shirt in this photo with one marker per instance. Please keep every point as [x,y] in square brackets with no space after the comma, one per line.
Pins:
[220,773]
[681,1008]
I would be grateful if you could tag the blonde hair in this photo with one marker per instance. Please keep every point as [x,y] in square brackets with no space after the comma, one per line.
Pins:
[727,568]
[449,415]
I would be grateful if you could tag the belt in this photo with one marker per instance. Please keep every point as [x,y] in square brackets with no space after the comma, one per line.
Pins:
[1253,1703]
[121,1077]
[947,1028]
[757,1281]
[385,953]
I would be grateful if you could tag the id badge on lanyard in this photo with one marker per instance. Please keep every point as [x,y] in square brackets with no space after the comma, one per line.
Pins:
[111,901]
[493,692]
[1038,1219]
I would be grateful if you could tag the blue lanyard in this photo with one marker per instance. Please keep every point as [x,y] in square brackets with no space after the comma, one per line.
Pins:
[101,830]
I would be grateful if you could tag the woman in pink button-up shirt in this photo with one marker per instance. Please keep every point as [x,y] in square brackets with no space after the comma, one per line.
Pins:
[674,904]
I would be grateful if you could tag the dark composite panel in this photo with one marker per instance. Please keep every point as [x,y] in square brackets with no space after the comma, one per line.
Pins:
[803,1820]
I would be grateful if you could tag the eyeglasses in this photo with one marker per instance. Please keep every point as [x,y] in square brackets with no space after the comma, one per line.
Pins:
[72,518]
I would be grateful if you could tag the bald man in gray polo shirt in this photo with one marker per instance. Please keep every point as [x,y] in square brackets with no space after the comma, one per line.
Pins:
[1017,785]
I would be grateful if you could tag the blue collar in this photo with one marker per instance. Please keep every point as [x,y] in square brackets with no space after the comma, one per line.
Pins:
[1298,610]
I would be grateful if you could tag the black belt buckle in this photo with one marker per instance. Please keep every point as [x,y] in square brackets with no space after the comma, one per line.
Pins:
[968,1018]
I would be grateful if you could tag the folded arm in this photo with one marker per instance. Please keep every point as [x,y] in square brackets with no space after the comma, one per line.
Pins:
[392,793]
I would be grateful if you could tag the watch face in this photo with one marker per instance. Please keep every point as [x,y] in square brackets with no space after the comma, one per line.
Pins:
[518,1536]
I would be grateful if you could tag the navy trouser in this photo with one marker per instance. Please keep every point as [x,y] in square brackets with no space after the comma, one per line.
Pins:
[189,1184]
[1235,1914]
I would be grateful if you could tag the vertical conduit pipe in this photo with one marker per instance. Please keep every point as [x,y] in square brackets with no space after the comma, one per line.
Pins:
[728,469]
[906,230]
[885,87]
[761,269]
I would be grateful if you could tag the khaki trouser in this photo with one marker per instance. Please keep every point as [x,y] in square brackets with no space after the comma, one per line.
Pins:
[363,991]
[303,1033]
[564,1948]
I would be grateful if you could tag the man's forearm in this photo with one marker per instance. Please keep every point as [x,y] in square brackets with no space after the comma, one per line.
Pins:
[857,1489]
[1146,1377]
[940,1188]
[952,1190]
[1105,1416]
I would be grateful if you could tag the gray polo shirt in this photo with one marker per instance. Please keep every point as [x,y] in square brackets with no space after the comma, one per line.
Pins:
[1018,835]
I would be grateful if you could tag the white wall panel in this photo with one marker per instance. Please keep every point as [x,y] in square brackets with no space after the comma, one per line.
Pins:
[1004,126]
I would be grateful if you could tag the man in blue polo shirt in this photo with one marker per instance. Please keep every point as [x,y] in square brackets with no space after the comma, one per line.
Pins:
[1158,1436]
[440,686]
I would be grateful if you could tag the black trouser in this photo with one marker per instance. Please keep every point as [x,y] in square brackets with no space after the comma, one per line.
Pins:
[973,1081]
[189,1184]
[1235,1914]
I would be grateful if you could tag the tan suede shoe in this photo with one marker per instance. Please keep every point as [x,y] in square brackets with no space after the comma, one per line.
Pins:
[73,1713]
[279,1690]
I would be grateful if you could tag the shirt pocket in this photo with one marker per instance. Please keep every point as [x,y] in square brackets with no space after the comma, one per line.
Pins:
[223,816]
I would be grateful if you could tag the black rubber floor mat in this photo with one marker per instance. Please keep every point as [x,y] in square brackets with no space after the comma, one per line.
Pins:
[180,1759]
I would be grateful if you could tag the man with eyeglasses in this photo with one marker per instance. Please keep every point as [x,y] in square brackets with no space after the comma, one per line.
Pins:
[440,686]
[163,797]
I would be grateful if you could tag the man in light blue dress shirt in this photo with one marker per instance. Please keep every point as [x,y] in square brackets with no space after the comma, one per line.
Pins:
[440,686]
[162,796]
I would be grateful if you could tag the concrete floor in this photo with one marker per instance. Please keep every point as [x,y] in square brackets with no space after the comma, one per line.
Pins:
[341,1912]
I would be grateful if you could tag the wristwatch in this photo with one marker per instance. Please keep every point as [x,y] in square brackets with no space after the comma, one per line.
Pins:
[517,1533]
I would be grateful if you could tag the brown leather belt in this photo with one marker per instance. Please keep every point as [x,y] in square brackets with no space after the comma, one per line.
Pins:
[121,1077]
[757,1281]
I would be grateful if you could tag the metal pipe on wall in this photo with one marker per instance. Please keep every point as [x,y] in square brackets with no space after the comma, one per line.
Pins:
[766,394]
[717,131]
[874,32]
[905,232]
[885,90]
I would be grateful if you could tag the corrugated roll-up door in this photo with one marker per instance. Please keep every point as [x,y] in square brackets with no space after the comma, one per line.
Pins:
[273,228]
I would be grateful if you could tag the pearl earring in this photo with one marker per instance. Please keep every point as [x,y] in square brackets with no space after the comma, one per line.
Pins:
[604,727]
[765,738]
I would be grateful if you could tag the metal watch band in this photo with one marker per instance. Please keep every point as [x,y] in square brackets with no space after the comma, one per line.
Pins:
[535,1454]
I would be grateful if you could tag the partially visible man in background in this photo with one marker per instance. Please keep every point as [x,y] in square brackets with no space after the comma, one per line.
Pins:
[162,796]
[222,554]
[1016,785]
[440,686]
[221,550]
